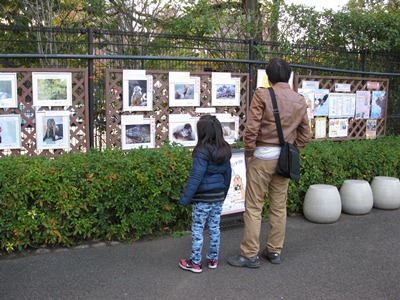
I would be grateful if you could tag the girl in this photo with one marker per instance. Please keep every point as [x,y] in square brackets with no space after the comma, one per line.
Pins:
[206,189]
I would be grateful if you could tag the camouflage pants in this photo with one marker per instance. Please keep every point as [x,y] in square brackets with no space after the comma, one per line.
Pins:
[203,212]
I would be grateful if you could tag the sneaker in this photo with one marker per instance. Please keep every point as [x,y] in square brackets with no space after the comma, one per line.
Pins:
[212,263]
[273,257]
[240,261]
[190,266]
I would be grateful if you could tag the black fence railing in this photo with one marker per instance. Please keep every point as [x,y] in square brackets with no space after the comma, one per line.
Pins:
[99,50]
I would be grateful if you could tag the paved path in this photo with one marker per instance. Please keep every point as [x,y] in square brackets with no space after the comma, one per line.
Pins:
[357,257]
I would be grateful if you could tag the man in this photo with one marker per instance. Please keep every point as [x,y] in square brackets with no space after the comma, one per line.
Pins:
[261,145]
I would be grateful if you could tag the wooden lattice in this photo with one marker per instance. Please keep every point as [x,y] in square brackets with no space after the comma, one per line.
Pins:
[79,121]
[161,108]
[357,127]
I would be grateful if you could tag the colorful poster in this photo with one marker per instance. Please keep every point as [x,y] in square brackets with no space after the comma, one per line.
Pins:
[309,97]
[371,129]
[338,128]
[320,128]
[321,103]
[363,104]
[378,108]
[234,202]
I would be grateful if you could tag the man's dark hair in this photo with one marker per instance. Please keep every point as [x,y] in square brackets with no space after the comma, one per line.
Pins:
[278,70]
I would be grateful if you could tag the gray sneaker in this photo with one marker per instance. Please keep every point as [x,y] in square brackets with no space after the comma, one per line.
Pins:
[273,257]
[240,261]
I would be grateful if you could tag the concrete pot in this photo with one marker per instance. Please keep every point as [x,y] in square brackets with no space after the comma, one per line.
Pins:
[322,204]
[356,196]
[386,192]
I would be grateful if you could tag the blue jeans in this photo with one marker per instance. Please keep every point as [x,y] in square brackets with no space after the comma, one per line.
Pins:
[203,212]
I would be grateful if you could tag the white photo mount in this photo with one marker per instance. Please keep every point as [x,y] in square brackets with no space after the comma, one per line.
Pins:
[182,129]
[10,131]
[8,90]
[183,89]
[230,127]
[52,89]
[137,90]
[137,132]
[52,130]
[225,90]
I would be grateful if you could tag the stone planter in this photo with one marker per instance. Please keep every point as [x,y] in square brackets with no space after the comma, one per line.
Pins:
[322,204]
[356,196]
[386,192]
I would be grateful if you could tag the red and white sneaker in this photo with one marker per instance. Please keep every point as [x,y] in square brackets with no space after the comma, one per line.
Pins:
[212,263]
[190,266]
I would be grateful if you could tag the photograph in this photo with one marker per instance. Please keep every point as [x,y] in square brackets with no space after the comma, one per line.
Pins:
[230,126]
[185,93]
[137,91]
[137,132]
[10,131]
[52,130]
[321,102]
[8,90]
[52,89]
[182,129]
[225,91]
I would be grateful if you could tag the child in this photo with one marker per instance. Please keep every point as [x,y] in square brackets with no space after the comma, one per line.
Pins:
[206,189]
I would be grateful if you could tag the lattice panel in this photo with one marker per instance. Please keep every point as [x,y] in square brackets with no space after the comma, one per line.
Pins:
[161,109]
[79,121]
[357,127]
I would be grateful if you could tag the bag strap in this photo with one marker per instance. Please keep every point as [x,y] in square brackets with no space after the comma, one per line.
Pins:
[276,115]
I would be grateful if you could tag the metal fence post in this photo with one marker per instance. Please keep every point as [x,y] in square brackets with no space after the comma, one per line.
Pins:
[251,73]
[91,88]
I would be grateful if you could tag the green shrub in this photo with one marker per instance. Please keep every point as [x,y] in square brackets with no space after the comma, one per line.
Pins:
[117,195]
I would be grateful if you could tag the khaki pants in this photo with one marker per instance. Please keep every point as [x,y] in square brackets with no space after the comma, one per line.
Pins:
[261,178]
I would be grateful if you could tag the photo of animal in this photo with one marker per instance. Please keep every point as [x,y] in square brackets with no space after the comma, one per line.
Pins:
[137,92]
[184,132]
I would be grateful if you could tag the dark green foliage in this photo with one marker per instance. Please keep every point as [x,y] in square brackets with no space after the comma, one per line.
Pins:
[108,195]
[114,195]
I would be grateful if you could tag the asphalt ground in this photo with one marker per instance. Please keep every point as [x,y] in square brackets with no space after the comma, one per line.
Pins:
[357,257]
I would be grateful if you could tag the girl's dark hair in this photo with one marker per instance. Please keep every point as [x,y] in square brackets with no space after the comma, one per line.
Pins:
[278,70]
[209,131]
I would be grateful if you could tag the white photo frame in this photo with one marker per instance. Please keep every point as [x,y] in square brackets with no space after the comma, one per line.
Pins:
[226,92]
[137,90]
[10,131]
[52,130]
[52,88]
[8,90]
[182,129]
[185,92]
[230,127]
[137,132]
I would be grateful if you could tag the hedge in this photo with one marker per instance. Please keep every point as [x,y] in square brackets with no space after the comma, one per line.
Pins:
[123,196]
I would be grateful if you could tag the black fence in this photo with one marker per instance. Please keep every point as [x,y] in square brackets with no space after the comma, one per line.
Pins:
[99,50]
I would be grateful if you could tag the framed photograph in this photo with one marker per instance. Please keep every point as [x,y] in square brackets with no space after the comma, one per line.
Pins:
[52,130]
[137,132]
[182,129]
[183,89]
[52,89]
[234,201]
[10,131]
[137,90]
[225,90]
[230,126]
[8,90]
